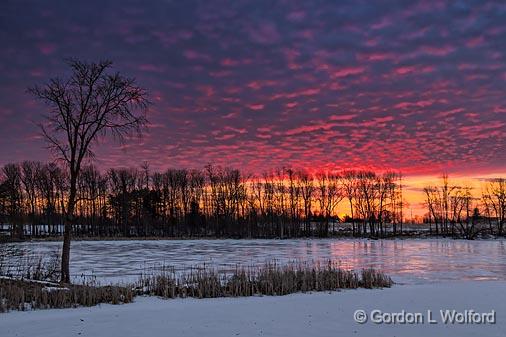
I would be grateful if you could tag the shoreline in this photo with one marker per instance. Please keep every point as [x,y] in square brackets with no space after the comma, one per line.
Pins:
[213,238]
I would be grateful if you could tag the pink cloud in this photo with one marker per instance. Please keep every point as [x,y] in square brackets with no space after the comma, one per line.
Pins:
[404,70]
[448,113]
[256,106]
[342,117]
[438,50]
[315,126]
[420,104]
[475,42]
[227,62]
[225,136]
[376,56]
[347,71]
[236,130]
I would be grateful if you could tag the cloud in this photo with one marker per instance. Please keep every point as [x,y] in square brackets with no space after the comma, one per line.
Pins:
[417,86]
[347,71]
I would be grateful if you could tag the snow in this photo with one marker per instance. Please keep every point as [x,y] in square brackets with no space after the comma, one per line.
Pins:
[47,283]
[411,261]
[53,289]
[317,314]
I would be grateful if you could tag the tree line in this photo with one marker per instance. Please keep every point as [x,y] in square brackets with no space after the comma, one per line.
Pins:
[224,202]
[210,202]
[455,211]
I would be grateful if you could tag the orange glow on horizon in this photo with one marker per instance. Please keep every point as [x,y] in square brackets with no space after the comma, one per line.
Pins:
[415,197]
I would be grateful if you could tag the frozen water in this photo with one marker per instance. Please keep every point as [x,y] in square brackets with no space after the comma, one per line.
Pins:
[407,261]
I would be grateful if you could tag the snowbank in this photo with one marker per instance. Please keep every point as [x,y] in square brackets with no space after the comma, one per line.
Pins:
[317,314]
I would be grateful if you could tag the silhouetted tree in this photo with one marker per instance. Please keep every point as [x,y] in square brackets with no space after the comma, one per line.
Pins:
[83,107]
[13,204]
[494,200]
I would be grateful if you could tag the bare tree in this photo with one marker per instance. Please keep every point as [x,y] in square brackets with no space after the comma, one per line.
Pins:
[494,199]
[306,184]
[28,177]
[89,104]
[349,185]
[13,191]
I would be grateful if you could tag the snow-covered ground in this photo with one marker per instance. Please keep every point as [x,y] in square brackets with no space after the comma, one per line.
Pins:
[411,261]
[317,314]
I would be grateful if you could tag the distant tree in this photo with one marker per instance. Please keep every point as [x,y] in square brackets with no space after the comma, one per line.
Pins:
[30,169]
[329,195]
[349,186]
[12,189]
[89,104]
[307,189]
[494,200]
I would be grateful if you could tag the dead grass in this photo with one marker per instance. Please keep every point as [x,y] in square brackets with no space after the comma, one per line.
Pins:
[28,295]
[31,285]
[32,266]
[269,279]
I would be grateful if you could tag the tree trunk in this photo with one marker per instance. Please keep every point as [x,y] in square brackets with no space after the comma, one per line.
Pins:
[67,230]
[65,256]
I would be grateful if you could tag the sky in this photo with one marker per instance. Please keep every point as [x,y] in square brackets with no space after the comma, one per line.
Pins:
[413,86]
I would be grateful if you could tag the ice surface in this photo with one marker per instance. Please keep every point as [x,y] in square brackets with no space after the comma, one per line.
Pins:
[407,261]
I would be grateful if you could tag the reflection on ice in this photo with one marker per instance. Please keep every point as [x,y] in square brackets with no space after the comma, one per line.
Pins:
[407,261]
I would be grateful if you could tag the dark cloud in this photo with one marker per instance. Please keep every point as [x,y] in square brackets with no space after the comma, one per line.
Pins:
[259,84]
